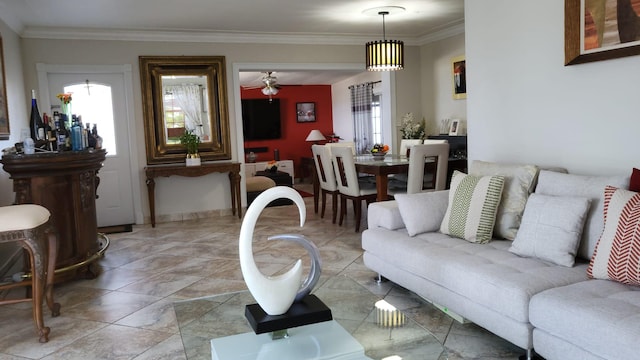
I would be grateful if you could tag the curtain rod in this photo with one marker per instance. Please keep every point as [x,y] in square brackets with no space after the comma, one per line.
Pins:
[363,84]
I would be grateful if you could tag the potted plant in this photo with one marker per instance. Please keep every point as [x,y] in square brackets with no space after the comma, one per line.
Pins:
[191,142]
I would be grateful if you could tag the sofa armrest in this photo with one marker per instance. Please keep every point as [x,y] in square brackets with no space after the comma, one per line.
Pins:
[384,214]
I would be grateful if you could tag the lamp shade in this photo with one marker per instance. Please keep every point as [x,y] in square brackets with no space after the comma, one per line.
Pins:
[315,135]
[385,55]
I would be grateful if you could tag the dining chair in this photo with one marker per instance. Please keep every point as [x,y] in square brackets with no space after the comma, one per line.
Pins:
[417,161]
[406,144]
[348,184]
[350,144]
[435,141]
[326,178]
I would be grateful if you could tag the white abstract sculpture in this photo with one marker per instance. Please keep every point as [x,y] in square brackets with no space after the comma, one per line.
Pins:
[276,294]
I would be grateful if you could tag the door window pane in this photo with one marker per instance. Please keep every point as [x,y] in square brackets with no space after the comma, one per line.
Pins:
[94,103]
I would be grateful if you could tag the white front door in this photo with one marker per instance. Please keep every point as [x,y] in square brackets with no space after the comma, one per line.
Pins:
[100,99]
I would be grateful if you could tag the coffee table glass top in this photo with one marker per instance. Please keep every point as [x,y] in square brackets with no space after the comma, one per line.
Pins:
[352,306]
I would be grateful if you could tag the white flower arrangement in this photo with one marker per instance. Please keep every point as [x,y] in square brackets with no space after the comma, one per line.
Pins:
[410,128]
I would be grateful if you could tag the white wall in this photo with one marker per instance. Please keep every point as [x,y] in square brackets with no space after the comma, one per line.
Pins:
[437,83]
[524,105]
[17,102]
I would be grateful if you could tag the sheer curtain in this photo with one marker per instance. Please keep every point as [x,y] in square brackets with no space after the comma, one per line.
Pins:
[361,102]
[187,97]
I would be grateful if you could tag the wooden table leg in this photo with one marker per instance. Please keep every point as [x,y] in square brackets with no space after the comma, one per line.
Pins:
[234,182]
[381,187]
[52,247]
[151,190]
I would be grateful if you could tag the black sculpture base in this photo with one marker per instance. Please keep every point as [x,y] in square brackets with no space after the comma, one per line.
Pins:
[310,310]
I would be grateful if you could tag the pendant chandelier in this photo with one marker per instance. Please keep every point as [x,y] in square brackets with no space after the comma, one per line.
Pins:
[385,55]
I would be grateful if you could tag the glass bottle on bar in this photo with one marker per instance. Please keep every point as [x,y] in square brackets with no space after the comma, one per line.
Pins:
[35,123]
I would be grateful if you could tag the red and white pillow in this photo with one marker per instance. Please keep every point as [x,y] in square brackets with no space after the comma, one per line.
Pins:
[634,184]
[617,254]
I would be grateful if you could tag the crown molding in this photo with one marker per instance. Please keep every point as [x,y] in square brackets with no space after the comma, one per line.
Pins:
[63,33]
[448,32]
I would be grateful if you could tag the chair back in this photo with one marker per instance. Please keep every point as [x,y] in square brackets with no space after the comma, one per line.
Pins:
[435,141]
[406,144]
[419,154]
[345,168]
[349,144]
[324,169]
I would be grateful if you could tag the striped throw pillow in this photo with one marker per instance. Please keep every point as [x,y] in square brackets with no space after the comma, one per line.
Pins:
[617,254]
[473,203]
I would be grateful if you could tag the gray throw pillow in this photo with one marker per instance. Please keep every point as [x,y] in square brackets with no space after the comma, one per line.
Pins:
[551,228]
[519,182]
[422,212]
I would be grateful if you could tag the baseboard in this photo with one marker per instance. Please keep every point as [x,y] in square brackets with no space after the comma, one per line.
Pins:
[115,229]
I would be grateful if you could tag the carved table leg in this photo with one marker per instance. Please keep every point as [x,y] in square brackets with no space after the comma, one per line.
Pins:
[151,190]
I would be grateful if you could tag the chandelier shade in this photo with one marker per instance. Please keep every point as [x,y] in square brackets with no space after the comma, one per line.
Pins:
[385,55]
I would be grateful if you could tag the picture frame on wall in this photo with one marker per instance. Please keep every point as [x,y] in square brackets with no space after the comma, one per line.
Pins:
[4,112]
[600,30]
[306,112]
[459,77]
[454,127]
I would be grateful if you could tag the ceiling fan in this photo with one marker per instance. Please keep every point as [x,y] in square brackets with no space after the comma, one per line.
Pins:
[270,87]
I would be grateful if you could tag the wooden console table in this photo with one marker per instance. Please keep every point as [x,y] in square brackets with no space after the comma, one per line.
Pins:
[233,168]
[65,183]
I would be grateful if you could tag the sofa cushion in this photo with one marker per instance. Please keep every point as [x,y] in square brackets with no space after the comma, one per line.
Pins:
[557,184]
[487,274]
[634,184]
[551,228]
[473,203]
[384,214]
[519,181]
[422,212]
[600,316]
[617,255]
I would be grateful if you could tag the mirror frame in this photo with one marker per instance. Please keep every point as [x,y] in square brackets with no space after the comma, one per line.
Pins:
[152,68]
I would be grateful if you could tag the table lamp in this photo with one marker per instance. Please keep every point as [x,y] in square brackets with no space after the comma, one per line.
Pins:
[315,136]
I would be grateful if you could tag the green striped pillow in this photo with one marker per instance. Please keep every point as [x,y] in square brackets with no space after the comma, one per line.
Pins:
[473,204]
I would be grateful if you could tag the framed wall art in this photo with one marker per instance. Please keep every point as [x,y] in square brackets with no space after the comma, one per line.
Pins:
[454,127]
[597,30]
[306,112]
[459,77]
[4,112]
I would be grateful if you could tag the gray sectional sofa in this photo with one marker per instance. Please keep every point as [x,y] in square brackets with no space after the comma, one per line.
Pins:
[530,301]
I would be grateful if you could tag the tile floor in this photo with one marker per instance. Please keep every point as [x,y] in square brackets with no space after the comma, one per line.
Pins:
[127,312]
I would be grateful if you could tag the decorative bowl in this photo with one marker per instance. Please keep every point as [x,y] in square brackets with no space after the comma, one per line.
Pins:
[378,155]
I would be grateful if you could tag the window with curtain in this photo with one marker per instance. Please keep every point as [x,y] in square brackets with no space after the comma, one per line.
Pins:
[183,107]
[362,112]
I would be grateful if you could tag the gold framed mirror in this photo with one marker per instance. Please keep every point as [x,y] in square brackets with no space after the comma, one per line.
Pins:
[184,93]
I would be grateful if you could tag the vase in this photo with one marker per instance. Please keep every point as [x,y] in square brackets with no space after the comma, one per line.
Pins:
[193,160]
[66,111]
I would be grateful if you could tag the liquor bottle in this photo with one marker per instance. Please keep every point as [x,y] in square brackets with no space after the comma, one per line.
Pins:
[36,125]
[48,133]
[58,131]
[76,135]
[98,138]
[91,137]
[85,135]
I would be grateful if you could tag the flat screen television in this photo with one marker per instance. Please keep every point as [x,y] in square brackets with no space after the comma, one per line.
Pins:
[261,119]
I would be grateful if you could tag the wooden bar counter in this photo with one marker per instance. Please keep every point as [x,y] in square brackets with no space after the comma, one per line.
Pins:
[65,183]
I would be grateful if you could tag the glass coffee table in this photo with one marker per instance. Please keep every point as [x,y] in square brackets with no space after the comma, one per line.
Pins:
[354,312]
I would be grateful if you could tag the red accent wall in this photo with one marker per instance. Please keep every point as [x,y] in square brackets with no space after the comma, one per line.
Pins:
[292,145]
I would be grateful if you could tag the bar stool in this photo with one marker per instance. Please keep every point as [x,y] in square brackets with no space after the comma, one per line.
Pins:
[28,225]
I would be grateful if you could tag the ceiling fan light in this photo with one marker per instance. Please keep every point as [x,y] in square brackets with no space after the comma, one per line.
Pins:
[385,55]
[268,90]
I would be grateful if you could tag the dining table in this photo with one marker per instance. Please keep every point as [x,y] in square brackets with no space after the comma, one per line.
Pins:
[381,168]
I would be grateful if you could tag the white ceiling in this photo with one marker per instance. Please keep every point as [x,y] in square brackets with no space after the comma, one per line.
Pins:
[272,21]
